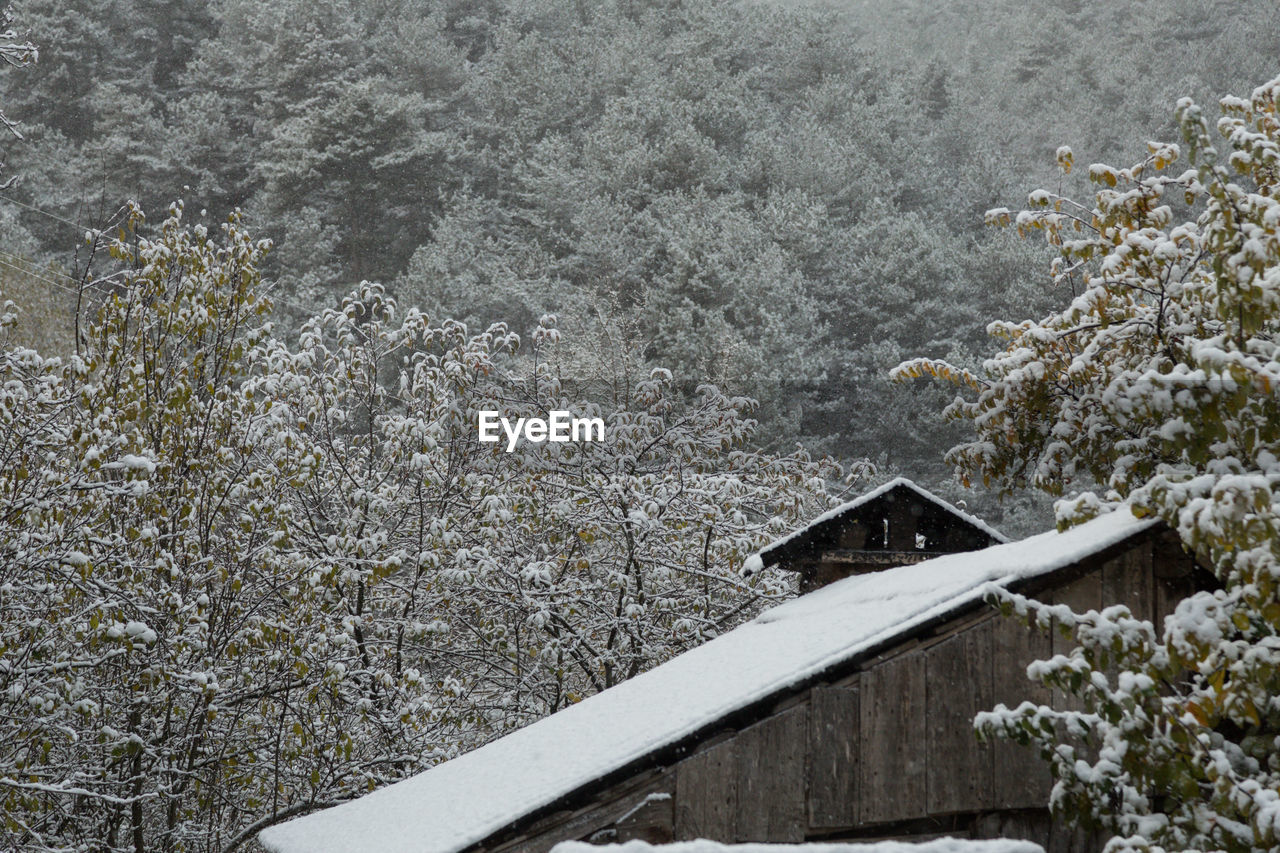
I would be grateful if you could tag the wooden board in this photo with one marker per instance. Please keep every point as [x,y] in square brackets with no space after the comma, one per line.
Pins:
[593,819]
[1020,778]
[891,713]
[651,820]
[707,794]
[1168,558]
[1168,592]
[833,757]
[958,686]
[1174,575]
[769,757]
[1081,596]
[1128,580]
[902,523]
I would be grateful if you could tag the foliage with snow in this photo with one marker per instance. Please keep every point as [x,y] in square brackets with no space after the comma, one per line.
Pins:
[15,52]
[751,187]
[1159,380]
[242,578]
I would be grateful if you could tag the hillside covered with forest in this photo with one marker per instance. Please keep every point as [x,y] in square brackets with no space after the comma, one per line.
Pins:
[267,267]
[786,200]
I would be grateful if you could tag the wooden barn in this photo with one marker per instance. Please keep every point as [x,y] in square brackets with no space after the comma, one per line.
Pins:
[843,715]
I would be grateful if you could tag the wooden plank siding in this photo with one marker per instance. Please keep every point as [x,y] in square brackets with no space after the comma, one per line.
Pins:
[958,686]
[1081,595]
[769,758]
[1173,571]
[587,820]
[1020,778]
[884,748]
[1128,580]
[892,724]
[833,757]
[707,794]
[653,820]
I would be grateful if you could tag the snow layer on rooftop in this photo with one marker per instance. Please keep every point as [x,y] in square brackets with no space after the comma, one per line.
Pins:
[465,800]
[938,845]
[877,492]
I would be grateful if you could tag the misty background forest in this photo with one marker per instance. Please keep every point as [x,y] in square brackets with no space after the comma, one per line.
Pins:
[786,200]
[262,262]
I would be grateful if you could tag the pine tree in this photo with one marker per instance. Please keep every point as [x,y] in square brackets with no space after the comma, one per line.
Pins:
[16,53]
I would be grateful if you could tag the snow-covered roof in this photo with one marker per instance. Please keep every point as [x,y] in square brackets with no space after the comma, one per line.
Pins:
[848,506]
[463,801]
[702,845]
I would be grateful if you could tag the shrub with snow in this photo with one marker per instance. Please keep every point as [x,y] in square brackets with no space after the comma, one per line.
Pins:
[1159,380]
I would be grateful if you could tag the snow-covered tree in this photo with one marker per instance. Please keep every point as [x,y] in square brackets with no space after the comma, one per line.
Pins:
[240,579]
[164,649]
[619,554]
[15,52]
[1159,382]
[521,581]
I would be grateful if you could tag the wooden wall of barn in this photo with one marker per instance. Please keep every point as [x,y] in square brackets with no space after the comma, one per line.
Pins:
[885,751]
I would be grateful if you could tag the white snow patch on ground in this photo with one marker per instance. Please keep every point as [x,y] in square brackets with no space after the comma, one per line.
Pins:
[463,801]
